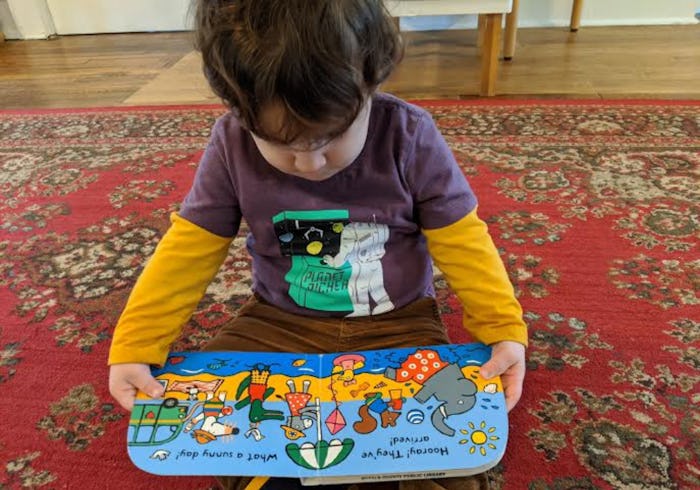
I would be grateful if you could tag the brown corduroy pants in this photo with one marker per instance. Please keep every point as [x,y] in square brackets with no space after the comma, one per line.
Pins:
[260,326]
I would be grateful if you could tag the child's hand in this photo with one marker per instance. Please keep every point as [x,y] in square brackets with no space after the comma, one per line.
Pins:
[126,379]
[508,361]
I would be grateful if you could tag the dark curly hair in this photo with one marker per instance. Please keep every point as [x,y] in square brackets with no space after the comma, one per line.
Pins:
[319,59]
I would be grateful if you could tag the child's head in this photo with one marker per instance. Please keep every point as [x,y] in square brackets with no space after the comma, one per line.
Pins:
[313,63]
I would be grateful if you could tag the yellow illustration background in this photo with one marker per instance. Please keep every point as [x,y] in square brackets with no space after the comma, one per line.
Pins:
[319,387]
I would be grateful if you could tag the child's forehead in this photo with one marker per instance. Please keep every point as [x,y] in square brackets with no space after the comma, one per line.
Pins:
[279,126]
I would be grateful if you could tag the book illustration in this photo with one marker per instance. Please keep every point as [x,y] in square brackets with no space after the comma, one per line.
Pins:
[355,416]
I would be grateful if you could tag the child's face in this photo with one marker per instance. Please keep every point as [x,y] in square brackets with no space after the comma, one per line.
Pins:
[314,162]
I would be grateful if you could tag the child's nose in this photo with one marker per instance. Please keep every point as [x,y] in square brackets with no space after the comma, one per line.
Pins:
[309,161]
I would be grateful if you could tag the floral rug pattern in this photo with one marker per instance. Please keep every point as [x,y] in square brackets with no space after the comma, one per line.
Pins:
[594,206]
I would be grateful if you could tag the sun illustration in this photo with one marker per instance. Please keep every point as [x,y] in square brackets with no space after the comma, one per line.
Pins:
[479,438]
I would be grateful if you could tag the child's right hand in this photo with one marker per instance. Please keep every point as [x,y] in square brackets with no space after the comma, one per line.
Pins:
[125,380]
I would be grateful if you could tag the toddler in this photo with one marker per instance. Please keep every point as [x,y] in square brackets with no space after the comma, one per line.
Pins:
[348,193]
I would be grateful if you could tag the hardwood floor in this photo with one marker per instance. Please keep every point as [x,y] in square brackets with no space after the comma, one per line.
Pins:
[144,69]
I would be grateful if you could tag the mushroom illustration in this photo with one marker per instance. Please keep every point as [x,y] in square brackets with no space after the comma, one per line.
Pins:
[346,365]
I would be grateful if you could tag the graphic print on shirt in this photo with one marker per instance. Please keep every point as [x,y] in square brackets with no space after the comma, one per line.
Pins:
[336,263]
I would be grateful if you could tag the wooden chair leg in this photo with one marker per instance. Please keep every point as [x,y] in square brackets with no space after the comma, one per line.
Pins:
[490,51]
[576,15]
[511,31]
[481,31]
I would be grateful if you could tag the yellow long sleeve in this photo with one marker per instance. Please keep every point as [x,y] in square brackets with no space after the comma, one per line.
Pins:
[167,292]
[467,256]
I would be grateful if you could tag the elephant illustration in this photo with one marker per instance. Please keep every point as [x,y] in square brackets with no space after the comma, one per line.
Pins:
[440,379]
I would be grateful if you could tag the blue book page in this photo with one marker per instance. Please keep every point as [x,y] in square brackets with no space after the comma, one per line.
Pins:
[225,413]
[351,416]
[415,413]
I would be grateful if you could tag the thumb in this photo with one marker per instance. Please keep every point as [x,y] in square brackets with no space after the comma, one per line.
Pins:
[148,385]
[492,368]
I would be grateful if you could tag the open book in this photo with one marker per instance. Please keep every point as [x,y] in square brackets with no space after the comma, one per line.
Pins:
[420,412]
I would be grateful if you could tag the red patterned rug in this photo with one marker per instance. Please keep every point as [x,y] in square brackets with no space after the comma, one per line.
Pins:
[595,207]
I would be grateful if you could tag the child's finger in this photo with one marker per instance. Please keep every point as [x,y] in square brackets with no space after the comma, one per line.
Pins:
[124,395]
[513,393]
[148,385]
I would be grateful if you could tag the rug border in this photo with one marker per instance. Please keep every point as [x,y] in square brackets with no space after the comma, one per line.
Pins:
[420,102]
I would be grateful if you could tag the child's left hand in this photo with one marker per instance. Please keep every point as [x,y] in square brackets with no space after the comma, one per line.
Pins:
[508,361]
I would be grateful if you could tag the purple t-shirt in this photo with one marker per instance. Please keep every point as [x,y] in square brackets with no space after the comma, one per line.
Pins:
[350,245]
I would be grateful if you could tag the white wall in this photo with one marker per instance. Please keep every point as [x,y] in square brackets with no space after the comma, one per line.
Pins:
[31,19]
[7,22]
[550,13]
[89,16]
[609,12]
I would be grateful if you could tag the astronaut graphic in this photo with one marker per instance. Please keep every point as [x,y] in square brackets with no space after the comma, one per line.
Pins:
[336,264]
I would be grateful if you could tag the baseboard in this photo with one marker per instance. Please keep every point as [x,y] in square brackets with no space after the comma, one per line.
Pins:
[448,22]
[613,22]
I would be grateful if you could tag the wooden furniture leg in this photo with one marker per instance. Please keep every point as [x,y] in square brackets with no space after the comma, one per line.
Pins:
[511,31]
[576,15]
[481,31]
[489,54]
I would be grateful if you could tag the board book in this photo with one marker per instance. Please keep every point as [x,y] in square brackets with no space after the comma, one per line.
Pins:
[420,412]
